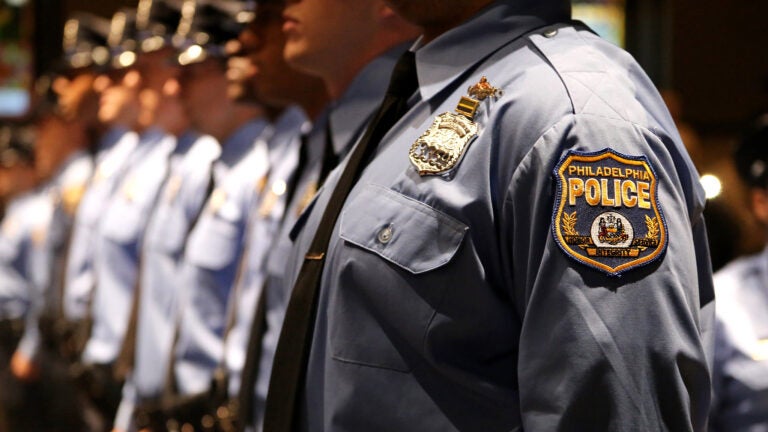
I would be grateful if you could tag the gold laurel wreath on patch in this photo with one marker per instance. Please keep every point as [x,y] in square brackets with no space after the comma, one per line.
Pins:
[653,227]
[569,224]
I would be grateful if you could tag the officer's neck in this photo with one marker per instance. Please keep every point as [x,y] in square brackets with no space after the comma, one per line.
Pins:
[240,114]
[433,27]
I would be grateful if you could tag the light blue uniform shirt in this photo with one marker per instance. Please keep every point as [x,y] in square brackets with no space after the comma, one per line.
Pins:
[178,206]
[212,256]
[22,215]
[57,203]
[348,117]
[112,159]
[740,372]
[262,230]
[118,244]
[446,302]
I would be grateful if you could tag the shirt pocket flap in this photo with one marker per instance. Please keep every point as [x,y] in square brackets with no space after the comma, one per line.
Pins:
[169,230]
[406,232]
[123,222]
[90,209]
[214,242]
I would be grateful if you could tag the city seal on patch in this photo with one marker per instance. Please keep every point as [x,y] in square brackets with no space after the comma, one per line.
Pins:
[607,215]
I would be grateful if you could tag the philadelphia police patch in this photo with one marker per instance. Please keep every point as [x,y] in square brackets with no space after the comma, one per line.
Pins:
[607,214]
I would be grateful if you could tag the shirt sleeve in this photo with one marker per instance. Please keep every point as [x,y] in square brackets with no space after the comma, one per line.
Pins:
[38,276]
[601,351]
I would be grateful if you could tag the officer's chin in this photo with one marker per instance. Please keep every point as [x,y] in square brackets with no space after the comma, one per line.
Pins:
[43,173]
[241,93]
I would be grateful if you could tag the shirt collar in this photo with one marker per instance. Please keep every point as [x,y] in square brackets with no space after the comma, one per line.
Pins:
[764,264]
[111,137]
[185,141]
[59,178]
[242,140]
[152,135]
[290,123]
[445,59]
[351,112]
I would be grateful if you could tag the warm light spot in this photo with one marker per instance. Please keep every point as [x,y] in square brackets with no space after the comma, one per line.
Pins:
[712,185]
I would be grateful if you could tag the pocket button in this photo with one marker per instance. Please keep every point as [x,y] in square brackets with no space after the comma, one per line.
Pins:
[385,235]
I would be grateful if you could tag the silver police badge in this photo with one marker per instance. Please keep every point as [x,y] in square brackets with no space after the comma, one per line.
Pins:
[441,147]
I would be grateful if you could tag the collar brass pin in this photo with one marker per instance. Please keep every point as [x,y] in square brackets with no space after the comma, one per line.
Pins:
[131,189]
[173,187]
[483,90]
[217,199]
[476,93]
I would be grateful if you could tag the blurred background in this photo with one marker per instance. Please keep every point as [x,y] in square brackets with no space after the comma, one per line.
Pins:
[708,57]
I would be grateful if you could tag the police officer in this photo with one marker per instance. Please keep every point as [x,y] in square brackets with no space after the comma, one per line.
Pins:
[741,349]
[214,245]
[117,113]
[282,89]
[463,285]
[62,166]
[178,205]
[122,216]
[16,245]
[17,180]
[160,120]
[66,125]
[355,75]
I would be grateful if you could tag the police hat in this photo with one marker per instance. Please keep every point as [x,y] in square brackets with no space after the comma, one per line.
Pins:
[84,43]
[156,23]
[751,156]
[121,40]
[206,27]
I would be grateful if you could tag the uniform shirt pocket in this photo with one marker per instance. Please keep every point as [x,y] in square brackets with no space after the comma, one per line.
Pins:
[175,227]
[214,242]
[405,232]
[123,222]
[90,209]
[381,321]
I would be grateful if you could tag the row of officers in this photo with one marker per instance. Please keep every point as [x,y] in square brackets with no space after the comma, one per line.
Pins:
[222,227]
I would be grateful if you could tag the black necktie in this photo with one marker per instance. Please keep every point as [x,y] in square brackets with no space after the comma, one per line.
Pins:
[330,158]
[292,353]
[245,396]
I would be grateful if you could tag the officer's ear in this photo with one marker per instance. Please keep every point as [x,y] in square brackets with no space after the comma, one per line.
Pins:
[385,12]
[759,201]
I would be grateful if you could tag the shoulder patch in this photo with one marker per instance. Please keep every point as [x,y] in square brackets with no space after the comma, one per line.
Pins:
[607,215]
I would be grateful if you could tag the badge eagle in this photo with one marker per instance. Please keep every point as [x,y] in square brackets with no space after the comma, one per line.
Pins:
[607,214]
